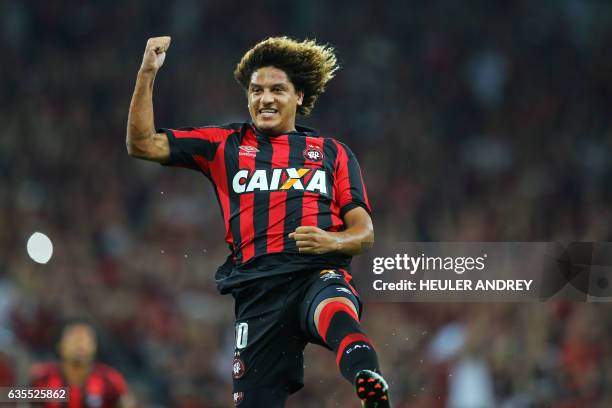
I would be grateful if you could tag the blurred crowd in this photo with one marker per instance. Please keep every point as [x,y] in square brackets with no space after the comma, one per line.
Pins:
[472,121]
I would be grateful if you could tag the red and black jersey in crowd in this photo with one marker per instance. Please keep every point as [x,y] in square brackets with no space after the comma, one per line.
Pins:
[103,387]
[267,186]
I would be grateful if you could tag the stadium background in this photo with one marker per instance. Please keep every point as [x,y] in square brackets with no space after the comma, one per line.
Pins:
[472,120]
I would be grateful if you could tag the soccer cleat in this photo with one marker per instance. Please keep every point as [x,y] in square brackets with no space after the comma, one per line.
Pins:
[372,389]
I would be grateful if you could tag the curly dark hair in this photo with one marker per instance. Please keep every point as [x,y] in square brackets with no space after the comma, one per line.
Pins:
[308,65]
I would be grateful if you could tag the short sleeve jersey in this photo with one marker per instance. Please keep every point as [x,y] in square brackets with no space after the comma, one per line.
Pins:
[267,186]
[103,387]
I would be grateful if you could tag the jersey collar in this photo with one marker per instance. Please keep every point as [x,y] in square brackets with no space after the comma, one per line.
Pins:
[299,130]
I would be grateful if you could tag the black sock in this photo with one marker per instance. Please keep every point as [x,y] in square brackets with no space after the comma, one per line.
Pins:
[343,334]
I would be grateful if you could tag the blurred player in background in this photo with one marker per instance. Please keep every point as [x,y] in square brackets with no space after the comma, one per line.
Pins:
[90,384]
[295,211]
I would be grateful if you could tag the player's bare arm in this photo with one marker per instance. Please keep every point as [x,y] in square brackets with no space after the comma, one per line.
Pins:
[358,235]
[142,140]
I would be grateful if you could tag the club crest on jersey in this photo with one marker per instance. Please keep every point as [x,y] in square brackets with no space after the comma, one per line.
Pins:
[246,150]
[307,179]
[313,153]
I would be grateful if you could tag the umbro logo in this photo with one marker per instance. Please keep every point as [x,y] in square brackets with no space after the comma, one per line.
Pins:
[246,150]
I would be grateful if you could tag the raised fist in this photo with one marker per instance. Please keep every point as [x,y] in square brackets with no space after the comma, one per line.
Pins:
[155,53]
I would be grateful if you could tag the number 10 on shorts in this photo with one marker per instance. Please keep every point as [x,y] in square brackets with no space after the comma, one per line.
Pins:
[242,335]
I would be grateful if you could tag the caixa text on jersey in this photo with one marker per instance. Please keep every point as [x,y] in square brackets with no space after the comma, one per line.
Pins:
[307,179]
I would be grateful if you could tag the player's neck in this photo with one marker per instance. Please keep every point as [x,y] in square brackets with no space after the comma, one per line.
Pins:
[75,372]
[274,132]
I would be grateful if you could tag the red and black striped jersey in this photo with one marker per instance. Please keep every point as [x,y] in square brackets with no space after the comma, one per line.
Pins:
[267,187]
[103,387]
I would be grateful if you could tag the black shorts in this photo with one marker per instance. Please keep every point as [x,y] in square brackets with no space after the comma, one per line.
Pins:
[272,328]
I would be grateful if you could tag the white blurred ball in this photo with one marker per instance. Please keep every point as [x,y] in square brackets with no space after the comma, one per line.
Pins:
[40,248]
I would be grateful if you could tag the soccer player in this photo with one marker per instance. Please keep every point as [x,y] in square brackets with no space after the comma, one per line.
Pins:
[295,212]
[89,383]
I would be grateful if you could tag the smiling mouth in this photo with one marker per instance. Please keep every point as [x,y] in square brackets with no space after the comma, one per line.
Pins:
[268,111]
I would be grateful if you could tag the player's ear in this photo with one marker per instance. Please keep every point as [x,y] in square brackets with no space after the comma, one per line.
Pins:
[300,98]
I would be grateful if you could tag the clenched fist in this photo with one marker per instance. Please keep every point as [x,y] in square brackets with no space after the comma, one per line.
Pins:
[155,53]
[314,240]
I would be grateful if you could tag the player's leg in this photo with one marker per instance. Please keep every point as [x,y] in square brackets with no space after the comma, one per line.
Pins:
[333,318]
[268,360]
[269,397]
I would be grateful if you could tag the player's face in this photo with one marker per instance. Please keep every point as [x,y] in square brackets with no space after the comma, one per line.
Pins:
[273,101]
[78,344]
